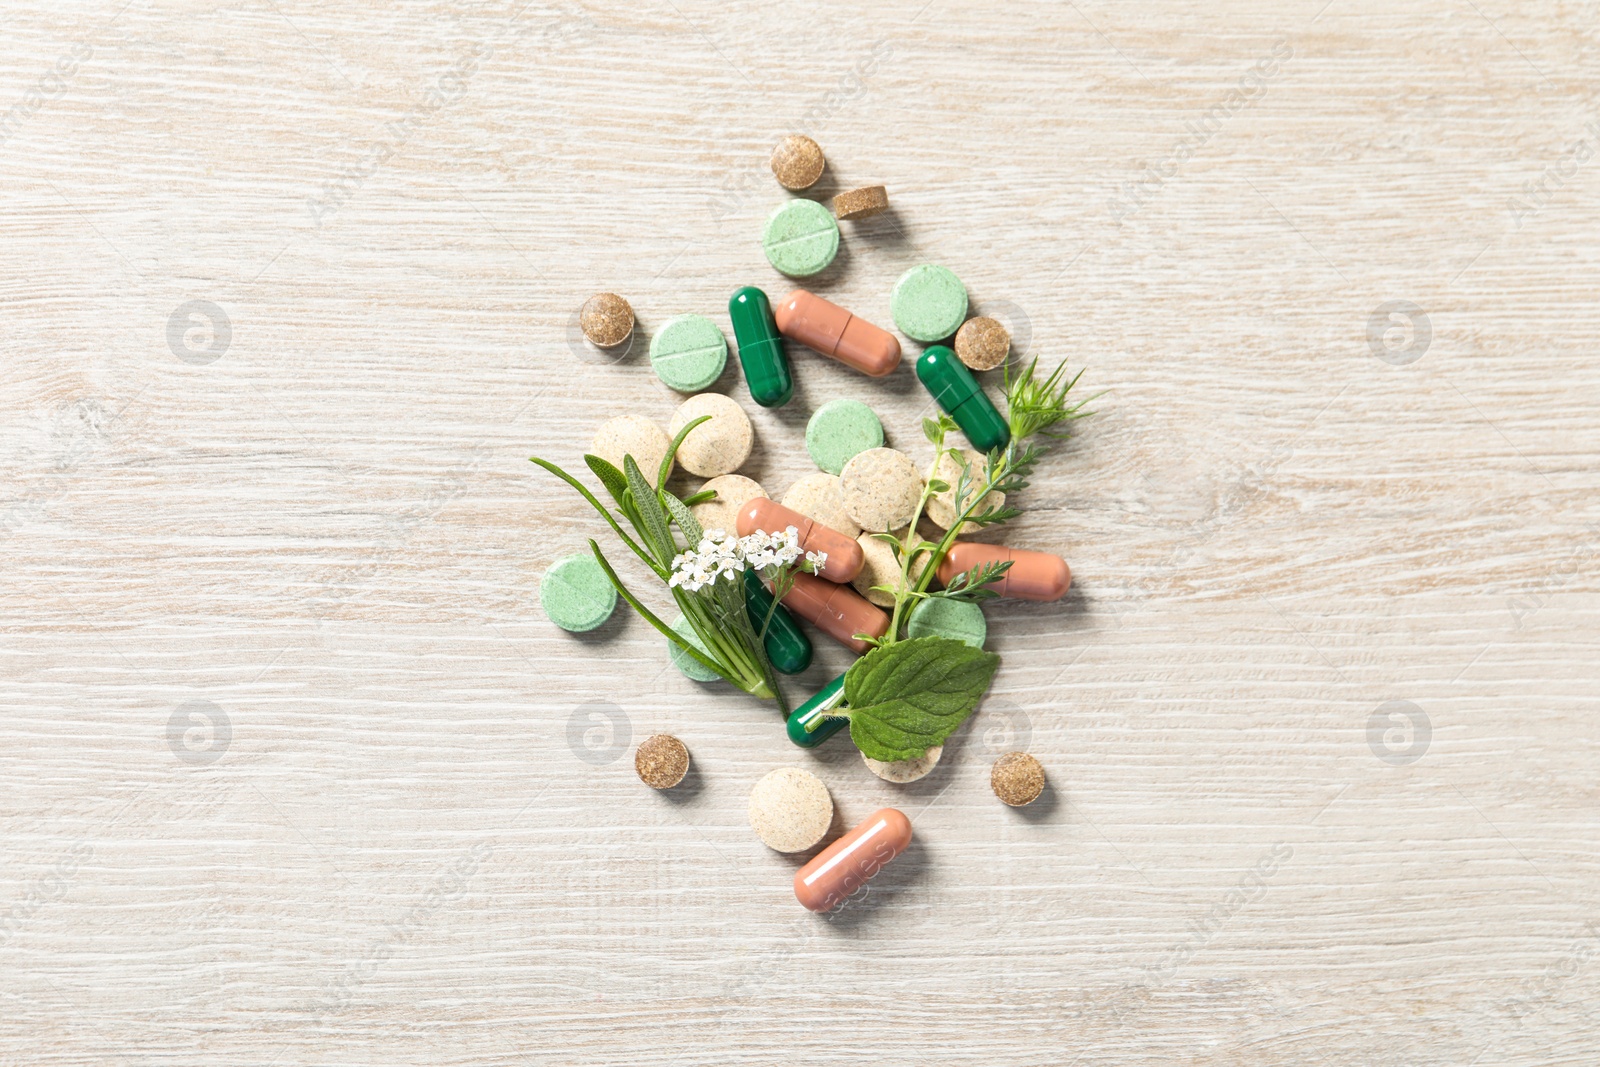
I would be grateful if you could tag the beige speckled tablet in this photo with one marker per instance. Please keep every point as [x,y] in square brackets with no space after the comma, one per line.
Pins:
[905,770]
[733,491]
[817,496]
[942,506]
[881,489]
[632,435]
[790,809]
[716,447]
[881,568]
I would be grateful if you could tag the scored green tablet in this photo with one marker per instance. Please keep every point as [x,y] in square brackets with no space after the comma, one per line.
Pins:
[576,594]
[801,238]
[839,431]
[688,353]
[929,303]
[692,668]
[959,620]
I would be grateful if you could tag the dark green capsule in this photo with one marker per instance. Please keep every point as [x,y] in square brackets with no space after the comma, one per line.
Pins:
[962,398]
[813,713]
[787,647]
[766,367]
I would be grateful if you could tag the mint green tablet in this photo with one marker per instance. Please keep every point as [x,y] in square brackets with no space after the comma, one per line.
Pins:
[576,593]
[960,620]
[688,353]
[692,668]
[801,238]
[929,303]
[839,430]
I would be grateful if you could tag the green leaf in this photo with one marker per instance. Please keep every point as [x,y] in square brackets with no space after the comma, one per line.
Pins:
[680,515]
[649,560]
[930,430]
[652,518]
[609,476]
[907,697]
[701,497]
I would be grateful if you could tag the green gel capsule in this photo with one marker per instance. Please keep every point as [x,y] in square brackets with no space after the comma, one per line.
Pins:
[766,366]
[787,647]
[813,713]
[962,398]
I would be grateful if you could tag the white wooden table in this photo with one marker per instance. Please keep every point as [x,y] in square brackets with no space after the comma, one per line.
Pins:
[296,772]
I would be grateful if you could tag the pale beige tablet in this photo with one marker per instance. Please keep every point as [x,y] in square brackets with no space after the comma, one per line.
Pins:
[632,435]
[942,506]
[817,496]
[733,491]
[905,770]
[790,809]
[881,489]
[717,447]
[881,568]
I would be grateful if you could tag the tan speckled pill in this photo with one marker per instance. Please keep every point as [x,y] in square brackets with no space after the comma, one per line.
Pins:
[881,489]
[661,762]
[905,770]
[717,447]
[942,506]
[790,809]
[632,435]
[861,203]
[797,162]
[733,491]
[879,567]
[606,319]
[817,496]
[982,343]
[1017,779]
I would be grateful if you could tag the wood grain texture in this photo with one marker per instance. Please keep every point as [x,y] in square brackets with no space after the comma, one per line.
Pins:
[415,843]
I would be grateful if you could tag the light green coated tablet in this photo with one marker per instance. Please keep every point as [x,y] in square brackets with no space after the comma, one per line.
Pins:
[801,238]
[692,668]
[839,430]
[960,620]
[929,303]
[688,353]
[576,593]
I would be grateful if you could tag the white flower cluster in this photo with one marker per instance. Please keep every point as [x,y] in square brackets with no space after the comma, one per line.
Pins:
[719,555]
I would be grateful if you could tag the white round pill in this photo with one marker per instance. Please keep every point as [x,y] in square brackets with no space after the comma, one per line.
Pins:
[881,489]
[719,446]
[817,496]
[942,509]
[790,809]
[733,491]
[632,435]
[905,770]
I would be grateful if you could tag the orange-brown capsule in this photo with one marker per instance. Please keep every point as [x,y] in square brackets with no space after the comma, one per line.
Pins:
[836,333]
[836,610]
[1032,575]
[847,864]
[845,557]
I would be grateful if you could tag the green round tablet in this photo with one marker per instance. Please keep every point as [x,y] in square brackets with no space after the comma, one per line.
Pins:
[692,668]
[839,430]
[801,238]
[929,303]
[688,353]
[576,593]
[961,620]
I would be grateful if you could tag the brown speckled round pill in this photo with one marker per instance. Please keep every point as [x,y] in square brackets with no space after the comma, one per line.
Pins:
[1017,779]
[881,488]
[982,343]
[661,761]
[797,162]
[790,809]
[606,319]
[861,203]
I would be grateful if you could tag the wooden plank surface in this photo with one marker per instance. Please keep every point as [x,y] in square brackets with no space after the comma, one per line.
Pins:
[297,773]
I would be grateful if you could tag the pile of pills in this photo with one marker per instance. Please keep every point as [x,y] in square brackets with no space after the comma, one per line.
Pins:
[863,488]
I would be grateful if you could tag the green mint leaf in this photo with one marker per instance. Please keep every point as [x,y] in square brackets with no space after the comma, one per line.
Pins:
[907,697]
[614,481]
